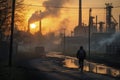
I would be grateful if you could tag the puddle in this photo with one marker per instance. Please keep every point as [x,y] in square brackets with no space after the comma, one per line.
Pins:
[93,67]
[72,62]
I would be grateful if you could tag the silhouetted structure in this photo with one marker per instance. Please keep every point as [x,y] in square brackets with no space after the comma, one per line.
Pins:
[98,31]
[111,25]
[79,30]
[101,27]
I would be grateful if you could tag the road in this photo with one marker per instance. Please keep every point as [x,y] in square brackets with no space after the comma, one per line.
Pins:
[51,68]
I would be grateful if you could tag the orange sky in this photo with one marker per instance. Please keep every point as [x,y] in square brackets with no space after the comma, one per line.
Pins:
[71,15]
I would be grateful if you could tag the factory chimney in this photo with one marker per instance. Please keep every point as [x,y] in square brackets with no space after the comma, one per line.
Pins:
[40,29]
[79,30]
[28,30]
[80,14]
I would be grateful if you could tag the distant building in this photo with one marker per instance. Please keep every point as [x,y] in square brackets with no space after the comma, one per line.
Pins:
[80,31]
[98,35]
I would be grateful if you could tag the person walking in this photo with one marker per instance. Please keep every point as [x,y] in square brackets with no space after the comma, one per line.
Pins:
[81,55]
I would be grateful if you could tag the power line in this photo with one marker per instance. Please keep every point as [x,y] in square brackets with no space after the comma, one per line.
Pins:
[68,7]
[63,6]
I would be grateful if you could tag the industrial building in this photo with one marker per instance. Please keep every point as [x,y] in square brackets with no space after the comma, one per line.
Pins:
[96,32]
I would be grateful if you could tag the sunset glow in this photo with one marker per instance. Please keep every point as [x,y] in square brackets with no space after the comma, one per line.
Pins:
[32,26]
[52,20]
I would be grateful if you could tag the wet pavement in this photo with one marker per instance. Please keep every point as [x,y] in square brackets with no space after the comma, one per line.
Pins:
[59,67]
[72,62]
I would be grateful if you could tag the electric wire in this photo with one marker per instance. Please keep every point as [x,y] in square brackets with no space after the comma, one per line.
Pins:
[67,7]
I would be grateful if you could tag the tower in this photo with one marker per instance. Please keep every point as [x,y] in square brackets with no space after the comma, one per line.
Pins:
[79,30]
[80,14]
[108,17]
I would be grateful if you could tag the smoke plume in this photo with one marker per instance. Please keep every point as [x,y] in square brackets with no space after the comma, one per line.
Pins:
[64,24]
[100,46]
[35,17]
[52,9]
[115,37]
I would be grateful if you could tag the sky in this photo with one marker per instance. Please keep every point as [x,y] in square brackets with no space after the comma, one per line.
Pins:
[69,16]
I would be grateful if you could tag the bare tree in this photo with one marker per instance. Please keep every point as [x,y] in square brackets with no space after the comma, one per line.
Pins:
[5,16]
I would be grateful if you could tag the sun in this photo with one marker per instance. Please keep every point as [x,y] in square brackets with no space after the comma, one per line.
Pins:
[32,26]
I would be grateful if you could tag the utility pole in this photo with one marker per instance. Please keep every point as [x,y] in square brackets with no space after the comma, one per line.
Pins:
[119,22]
[89,32]
[11,36]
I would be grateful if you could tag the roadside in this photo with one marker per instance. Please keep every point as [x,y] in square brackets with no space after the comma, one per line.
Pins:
[47,68]
[101,58]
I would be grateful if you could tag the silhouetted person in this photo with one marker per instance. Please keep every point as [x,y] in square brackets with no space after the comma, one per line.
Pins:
[81,55]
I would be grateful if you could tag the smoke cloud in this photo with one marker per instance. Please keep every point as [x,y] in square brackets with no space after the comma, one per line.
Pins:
[115,37]
[100,46]
[64,24]
[52,9]
[35,17]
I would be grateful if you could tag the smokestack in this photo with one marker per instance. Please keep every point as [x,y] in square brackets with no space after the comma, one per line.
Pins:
[80,13]
[50,10]
[40,29]
[28,30]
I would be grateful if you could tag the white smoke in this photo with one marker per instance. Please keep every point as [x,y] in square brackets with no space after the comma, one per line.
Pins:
[115,37]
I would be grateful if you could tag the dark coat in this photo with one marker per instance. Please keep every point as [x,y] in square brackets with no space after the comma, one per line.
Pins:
[81,54]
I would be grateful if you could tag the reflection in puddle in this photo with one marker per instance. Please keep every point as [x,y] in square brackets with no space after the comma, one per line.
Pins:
[93,67]
[70,63]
